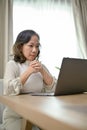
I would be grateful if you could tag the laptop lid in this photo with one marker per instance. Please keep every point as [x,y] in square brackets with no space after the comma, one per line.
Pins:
[72,78]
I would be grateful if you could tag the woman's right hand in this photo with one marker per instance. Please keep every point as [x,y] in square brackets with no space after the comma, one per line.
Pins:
[31,69]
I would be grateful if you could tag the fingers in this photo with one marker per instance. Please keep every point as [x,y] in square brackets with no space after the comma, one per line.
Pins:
[36,65]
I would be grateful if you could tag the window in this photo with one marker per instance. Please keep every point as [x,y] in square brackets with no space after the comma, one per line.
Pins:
[55,25]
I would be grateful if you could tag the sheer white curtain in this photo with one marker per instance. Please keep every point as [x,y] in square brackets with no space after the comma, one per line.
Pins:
[54,22]
[6,34]
[80,16]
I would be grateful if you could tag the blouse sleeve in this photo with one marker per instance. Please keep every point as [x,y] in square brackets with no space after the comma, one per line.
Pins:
[12,83]
[50,88]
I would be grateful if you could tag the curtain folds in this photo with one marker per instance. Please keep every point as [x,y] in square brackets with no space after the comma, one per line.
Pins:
[80,16]
[41,2]
[6,32]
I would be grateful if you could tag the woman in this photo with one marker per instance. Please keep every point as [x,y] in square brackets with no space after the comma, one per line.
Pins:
[25,74]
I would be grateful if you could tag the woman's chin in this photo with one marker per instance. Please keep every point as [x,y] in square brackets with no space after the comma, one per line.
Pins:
[31,59]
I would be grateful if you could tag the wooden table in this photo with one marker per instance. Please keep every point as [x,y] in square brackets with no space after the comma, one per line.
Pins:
[49,112]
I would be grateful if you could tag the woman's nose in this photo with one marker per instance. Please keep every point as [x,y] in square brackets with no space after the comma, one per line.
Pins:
[34,49]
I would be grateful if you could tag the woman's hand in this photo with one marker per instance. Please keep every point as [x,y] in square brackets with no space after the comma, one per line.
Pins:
[36,66]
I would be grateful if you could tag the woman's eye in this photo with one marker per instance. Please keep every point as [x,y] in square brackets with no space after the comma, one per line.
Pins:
[30,45]
[37,46]
[33,46]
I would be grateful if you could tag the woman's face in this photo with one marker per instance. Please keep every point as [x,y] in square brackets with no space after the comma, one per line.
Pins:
[30,49]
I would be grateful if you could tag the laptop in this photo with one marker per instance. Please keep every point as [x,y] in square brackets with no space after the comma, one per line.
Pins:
[72,78]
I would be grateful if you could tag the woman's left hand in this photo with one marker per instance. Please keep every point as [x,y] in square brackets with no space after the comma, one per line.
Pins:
[37,66]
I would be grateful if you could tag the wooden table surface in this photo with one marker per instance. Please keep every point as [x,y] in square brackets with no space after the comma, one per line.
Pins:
[51,112]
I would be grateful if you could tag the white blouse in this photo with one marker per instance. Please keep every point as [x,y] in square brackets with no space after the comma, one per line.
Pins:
[35,83]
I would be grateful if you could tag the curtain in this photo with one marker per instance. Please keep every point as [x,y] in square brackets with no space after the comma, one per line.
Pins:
[6,32]
[80,16]
[53,20]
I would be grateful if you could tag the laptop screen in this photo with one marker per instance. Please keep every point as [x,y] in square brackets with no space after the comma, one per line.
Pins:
[72,77]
